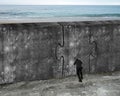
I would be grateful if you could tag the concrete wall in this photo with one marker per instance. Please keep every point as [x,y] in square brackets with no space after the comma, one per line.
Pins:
[34,51]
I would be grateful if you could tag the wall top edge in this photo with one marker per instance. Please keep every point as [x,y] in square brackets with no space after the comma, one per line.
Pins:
[63,22]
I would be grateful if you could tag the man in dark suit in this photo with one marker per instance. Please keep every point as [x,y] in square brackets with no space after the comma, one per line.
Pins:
[79,68]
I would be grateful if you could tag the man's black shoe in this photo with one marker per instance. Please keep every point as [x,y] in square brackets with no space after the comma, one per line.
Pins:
[80,80]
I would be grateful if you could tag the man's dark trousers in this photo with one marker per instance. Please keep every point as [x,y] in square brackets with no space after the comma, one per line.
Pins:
[78,64]
[79,74]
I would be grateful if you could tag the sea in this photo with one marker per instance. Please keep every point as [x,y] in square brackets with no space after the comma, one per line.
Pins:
[10,12]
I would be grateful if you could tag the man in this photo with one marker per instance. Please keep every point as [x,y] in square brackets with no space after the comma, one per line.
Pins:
[78,64]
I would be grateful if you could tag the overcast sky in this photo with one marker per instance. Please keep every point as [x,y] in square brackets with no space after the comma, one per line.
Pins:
[61,2]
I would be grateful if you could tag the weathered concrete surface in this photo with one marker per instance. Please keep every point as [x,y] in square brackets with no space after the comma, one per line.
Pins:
[28,51]
[96,43]
[93,85]
[34,51]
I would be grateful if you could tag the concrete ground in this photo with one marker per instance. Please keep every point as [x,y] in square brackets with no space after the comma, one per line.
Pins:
[93,85]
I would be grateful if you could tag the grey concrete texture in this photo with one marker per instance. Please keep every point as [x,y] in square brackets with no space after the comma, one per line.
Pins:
[35,51]
[107,84]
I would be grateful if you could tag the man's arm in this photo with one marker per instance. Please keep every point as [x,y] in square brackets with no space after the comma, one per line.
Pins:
[75,62]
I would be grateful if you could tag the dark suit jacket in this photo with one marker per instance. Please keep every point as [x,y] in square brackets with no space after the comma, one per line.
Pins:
[78,63]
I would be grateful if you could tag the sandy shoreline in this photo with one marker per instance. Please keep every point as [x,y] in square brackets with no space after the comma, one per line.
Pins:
[67,19]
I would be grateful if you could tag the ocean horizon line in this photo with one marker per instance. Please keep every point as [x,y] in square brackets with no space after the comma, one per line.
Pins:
[58,11]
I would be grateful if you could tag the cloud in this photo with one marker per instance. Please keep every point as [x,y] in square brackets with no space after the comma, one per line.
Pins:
[62,2]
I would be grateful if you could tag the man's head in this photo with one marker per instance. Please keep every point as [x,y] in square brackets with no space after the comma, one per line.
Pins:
[75,58]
